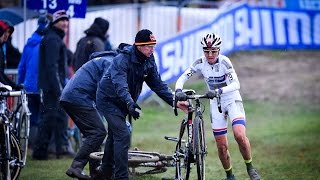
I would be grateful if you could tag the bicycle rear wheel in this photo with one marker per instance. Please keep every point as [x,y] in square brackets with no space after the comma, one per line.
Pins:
[144,162]
[199,147]
[133,156]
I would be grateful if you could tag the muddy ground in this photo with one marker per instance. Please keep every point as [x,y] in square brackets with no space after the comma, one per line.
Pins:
[279,76]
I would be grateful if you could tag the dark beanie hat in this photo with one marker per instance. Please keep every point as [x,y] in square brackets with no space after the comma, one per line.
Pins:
[102,23]
[145,37]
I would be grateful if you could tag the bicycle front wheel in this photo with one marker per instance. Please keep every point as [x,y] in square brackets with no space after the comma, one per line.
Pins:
[184,153]
[12,162]
[199,147]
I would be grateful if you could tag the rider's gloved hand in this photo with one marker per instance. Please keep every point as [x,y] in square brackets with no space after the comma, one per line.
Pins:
[211,94]
[134,110]
[180,96]
[214,93]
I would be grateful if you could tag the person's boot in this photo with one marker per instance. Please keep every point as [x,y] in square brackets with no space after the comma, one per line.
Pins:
[76,170]
[93,168]
[101,175]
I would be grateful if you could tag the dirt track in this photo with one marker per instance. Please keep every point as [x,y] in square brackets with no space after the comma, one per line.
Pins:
[286,76]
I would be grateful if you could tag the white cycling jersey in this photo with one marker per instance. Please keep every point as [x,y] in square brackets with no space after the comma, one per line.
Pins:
[218,75]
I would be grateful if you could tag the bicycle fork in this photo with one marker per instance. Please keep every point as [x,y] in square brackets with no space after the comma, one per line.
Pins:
[5,122]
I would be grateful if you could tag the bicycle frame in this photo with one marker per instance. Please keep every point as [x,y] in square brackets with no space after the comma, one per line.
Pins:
[195,148]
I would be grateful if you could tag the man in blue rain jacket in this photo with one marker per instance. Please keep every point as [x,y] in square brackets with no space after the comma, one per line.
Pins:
[117,94]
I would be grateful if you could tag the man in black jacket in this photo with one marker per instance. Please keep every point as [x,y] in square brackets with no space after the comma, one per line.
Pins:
[117,94]
[52,67]
[94,41]
[78,99]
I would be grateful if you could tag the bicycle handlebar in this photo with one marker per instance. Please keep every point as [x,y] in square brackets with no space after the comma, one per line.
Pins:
[11,93]
[191,95]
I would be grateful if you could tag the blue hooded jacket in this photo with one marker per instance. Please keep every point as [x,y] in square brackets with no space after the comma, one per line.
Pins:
[28,65]
[81,88]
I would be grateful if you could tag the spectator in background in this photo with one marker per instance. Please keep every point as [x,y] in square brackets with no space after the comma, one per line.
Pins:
[12,54]
[94,41]
[28,74]
[6,33]
[52,74]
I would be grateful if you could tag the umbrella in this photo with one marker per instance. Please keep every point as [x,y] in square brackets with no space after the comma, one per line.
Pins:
[15,14]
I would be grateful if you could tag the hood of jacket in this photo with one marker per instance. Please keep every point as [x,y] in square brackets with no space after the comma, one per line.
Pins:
[96,30]
[34,40]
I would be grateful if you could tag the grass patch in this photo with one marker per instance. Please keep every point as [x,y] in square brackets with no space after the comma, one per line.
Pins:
[284,139]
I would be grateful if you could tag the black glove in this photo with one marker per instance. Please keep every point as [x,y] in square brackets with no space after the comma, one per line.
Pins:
[211,94]
[134,110]
[180,96]
[214,93]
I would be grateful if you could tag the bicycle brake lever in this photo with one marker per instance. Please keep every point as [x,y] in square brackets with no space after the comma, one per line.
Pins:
[219,103]
[175,107]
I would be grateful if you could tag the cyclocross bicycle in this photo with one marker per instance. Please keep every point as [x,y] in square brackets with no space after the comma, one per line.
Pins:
[11,158]
[190,148]
[192,129]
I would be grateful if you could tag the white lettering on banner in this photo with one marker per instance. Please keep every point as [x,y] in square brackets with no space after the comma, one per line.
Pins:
[168,58]
[178,55]
[316,31]
[267,27]
[225,28]
[75,1]
[243,31]
[292,19]
[255,34]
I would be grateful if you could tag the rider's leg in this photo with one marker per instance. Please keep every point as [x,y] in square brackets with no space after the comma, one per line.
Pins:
[237,118]
[219,126]
[223,152]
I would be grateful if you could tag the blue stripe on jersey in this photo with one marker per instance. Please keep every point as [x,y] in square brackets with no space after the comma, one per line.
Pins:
[217,79]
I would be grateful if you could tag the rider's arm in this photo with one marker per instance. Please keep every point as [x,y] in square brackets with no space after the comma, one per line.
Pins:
[187,74]
[233,83]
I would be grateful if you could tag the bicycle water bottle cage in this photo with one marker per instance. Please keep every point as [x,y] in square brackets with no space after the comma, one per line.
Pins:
[189,91]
